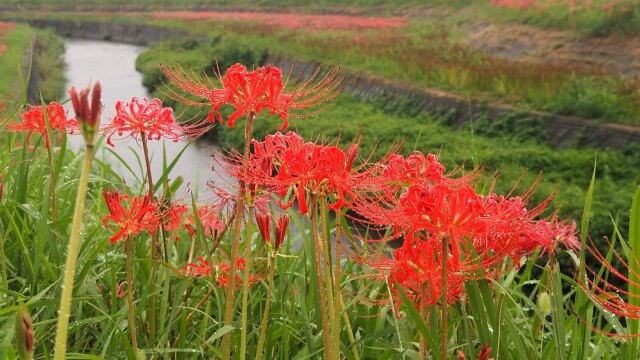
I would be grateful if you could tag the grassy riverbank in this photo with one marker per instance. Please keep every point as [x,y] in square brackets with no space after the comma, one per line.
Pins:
[428,52]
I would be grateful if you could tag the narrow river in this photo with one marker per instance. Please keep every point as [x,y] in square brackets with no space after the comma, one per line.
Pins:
[113,64]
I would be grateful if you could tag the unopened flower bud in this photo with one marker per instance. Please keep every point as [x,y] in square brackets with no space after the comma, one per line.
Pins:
[87,112]
[24,334]
[264,225]
[281,230]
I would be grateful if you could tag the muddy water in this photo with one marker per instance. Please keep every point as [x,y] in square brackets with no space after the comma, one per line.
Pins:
[113,65]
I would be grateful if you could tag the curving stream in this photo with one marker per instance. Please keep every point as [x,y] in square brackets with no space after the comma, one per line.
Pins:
[113,64]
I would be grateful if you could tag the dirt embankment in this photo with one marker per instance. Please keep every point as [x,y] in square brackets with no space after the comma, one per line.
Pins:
[614,55]
[562,130]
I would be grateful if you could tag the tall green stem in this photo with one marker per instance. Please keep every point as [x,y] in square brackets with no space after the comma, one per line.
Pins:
[265,315]
[154,245]
[326,332]
[237,224]
[245,284]
[3,263]
[330,279]
[339,302]
[52,182]
[72,255]
[132,309]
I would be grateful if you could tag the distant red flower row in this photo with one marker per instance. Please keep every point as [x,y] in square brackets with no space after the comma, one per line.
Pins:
[5,28]
[295,21]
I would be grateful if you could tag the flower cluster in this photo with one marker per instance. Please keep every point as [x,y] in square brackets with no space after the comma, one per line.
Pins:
[251,92]
[149,119]
[296,20]
[220,271]
[129,216]
[285,162]
[446,224]
[36,118]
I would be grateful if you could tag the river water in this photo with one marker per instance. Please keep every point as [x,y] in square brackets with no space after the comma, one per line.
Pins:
[113,64]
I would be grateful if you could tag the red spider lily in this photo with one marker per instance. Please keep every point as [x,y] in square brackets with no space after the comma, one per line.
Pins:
[198,270]
[174,217]
[282,163]
[210,219]
[120,293]
[602,289]
[33,121]
[87,112]
[138,214]
[149,119]
[253,91]
[295,20]
[430,209]
[222,273]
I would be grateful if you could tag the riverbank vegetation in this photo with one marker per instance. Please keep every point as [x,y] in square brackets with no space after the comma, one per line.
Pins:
[425,52]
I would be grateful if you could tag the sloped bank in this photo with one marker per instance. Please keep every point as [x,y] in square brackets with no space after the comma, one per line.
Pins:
[561,131]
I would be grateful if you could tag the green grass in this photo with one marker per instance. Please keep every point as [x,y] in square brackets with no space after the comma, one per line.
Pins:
[17,44]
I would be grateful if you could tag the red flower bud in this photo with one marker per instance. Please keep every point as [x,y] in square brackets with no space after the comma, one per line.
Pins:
[264,225]
[87,112]
[281,230]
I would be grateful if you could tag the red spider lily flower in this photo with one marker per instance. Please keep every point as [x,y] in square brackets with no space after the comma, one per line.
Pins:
[253,91]
[198,270]
[34,122]
[211,221]
[222,271]
[120,292]
[282,163]
[87,112]
[148,119]
[138,214]
[440,216]
[601,285]
[417,270]
[174,217]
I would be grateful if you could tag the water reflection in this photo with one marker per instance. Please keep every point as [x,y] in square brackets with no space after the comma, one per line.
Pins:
[113,65]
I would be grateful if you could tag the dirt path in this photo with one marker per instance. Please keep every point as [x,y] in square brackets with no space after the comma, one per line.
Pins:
[614,55]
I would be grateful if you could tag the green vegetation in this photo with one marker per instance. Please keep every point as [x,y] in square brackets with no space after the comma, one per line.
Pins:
[49,62]
[14,60]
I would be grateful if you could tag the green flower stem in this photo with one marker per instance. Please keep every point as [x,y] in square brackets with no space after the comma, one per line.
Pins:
[332,289]
[444,306]
[52,178]
[151,309]
[132,309]
[237,224]
[72,256]
[3,263]
[265,315]
[326,333]
[245,284]
[339,302]
[347,324]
